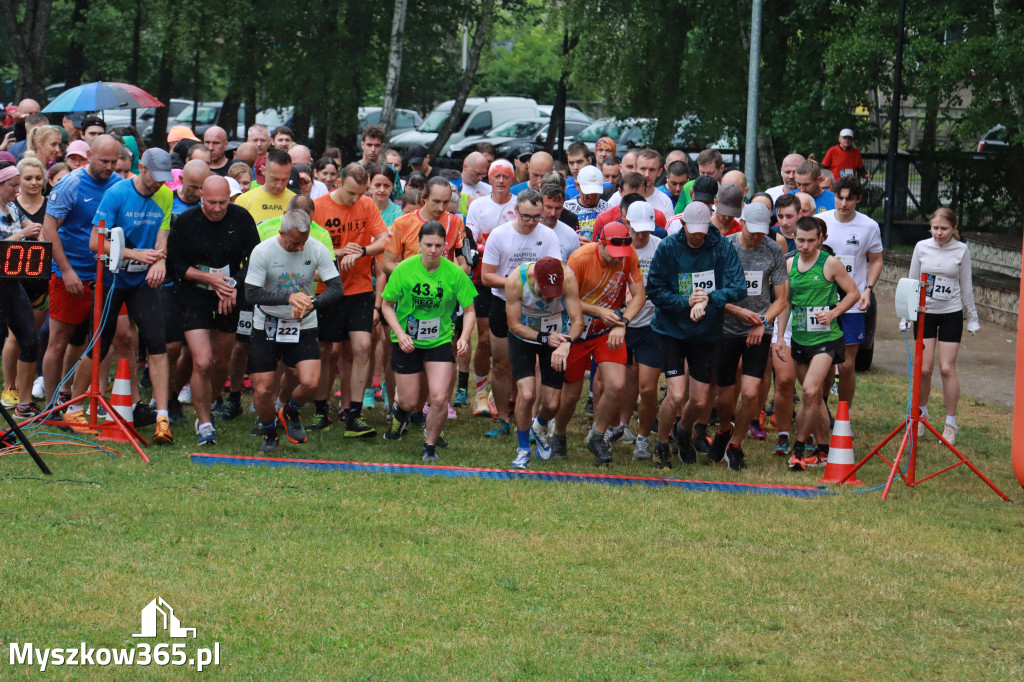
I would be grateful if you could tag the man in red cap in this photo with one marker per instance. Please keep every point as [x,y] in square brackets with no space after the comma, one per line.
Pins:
[604,270]
[544,318]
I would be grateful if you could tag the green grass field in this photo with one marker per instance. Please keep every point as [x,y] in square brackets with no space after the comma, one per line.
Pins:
[323,575]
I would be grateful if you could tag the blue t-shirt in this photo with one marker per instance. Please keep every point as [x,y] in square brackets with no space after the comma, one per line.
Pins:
[826,201]
[516,189]
[141,218]
[180,206]
[74,201]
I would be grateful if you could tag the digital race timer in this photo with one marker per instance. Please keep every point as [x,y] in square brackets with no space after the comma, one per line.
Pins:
[25,260]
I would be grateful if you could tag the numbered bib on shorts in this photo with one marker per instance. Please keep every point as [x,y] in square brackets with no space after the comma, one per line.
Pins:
[755,279]
[244,323]
[940,288]
[288,330]
[847,262]
[691,281]
[548,324]
[423,330]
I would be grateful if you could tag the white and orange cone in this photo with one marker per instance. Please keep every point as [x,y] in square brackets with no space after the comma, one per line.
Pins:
[840,449]
[121,402]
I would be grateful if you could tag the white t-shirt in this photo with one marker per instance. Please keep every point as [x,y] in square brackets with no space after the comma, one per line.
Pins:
[646,255]
[485,214]
[568,240]
[273,268]
[775,192]
[319,189]
[658,200]
[507,249]
[480,189]
[852,242]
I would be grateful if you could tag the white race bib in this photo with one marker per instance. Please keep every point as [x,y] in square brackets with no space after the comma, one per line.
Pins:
[812,319]
[847,262]
[135,266]
[691,281]
[754,281]
[288,330]
[941,288]
[224,271]
[423,330]
[545,325]
[244,323]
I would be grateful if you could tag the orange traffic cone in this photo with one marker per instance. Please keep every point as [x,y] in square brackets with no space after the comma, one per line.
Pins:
[840,449]
[121,402]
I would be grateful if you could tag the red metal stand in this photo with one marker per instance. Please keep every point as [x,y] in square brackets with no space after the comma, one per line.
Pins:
[114,421]
[910,425]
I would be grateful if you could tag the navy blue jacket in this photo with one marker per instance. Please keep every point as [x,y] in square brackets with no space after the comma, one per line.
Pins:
[672,308]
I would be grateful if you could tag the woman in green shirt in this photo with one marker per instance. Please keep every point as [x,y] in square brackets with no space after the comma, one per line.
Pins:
[419,304]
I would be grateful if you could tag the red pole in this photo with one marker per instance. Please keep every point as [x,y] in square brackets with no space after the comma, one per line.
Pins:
[97,315]
[915,396]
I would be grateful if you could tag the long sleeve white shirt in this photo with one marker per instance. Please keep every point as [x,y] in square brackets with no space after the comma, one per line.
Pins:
[951,290]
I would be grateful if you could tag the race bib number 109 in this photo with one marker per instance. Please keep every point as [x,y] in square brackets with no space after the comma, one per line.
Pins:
[689,282]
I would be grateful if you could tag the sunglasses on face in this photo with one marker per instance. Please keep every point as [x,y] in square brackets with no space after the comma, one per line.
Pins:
[617,241]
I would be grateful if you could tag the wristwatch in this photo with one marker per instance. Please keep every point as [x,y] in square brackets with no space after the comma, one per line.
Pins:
[364,251]
[542,339]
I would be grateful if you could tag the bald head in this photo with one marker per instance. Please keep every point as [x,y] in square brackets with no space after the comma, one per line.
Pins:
[216,197]
[300,154]
[788,170]
[302,203]
[735,177]
[474,168]
[193,175]
[247,152]
[27,107]
[540,163]
[103,157]
[216,140]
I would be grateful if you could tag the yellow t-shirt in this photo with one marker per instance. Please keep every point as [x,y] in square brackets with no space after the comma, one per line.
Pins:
[262,206]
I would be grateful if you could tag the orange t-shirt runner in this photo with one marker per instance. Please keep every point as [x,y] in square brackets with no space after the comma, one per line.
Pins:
[600,285]
[360,223]
[405,235]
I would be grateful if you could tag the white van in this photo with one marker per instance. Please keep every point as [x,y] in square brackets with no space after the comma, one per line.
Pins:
[478,116]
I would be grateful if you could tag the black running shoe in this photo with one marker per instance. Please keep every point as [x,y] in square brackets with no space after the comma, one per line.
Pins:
[701,442]
[716,451]
[559,447]
[601,449]
[684,446]
[270,442]
[355,427]
[229,409]
[734,456]
[662,458]
[174,411]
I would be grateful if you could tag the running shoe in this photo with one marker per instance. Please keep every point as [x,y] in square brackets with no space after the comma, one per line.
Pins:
[430,456]
[627,435]
[589,407]
[480,407]
[540,435]
[418,418]
[396,429]
[662,458]
[642,449]
[716,451]
[461,397]
[293,430]
[207,435]
[79,422]
[701,440]
[247,386]
[818,458]
[522,460]
[601,449]
[174,411]
[185,394]
[162,433]
[26,411]
[614,434]
[559,447]
[782,446]
[684,446]
[442,442]
[369,401]
[452,414]
[796,461]
[270,441]
[229,409]
[756,431]
[734,456]
[356,427]
[378,393]
[501,428]
[39,388]
[949,433]
[10,397]
[321,421]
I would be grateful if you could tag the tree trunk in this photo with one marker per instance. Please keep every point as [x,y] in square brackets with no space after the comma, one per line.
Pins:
[483,29]
[75,67]
[27,39]
[164,85]
[929,167]
[136,50]
[387,114]
[557,127]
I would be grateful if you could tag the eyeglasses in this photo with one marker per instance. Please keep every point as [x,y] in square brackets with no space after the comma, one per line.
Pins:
[617,241]
[530,218]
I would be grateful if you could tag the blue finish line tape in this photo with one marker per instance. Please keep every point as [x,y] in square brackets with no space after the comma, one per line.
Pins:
[511,474]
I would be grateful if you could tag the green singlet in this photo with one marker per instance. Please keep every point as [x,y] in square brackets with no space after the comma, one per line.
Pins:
[809,293]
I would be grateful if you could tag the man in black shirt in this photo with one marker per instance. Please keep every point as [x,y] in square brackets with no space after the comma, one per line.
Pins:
[207,251]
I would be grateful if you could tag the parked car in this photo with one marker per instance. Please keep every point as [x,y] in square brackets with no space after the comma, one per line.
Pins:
[518,129]
[632,133]
[143,117]
[571,113]
[479,115]
[995,140]
[405,120]
[209,114]
[539,140]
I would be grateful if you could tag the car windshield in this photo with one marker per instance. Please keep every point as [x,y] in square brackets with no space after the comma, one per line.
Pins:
[599,129]
[204,115]
[435,120]
[516,129]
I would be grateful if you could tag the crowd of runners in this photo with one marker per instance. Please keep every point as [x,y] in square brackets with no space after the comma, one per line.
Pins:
[666,305]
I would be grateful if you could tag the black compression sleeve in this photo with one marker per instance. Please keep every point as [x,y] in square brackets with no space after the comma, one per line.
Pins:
[333,293]
[260,296]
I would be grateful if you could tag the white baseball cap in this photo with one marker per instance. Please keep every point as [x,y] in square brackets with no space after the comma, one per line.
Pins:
[757,218]
[640,215]
[590,181]
[845,132]
[696,217]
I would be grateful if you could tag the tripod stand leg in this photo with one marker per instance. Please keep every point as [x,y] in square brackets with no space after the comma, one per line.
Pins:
[896,464]
[23,439]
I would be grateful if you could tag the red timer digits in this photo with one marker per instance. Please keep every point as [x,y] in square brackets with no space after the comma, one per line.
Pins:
[25,260]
